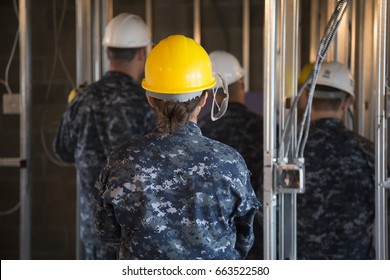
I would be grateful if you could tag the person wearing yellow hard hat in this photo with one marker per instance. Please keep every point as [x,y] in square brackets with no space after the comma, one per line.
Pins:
[175,194]
[104,114]
[335,215]
[241,129]
[305,73]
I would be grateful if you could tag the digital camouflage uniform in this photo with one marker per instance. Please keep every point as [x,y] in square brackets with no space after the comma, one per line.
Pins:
[102,116]
[336,213]
[176,196]
[243,130]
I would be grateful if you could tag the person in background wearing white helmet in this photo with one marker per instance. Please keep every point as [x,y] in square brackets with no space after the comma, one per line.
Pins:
[335,215]
[103,115]
[175,194]
[240,129]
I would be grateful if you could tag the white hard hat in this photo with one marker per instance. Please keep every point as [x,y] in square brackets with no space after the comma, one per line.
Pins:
[226,65]
[126,31]
[336,75]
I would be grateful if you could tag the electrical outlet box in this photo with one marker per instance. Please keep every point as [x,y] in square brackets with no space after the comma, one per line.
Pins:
[289,178]
[11,103]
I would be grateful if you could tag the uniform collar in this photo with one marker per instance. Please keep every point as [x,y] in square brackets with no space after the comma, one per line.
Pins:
[328,122]
[119,75]
[191,129]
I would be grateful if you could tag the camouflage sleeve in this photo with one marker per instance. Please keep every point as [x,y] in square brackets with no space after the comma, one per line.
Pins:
[107,226]
[247,210]
[64,143]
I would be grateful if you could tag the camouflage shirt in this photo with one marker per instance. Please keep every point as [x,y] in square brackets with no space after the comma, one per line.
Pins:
[176,196]
[242,130]
[102,116]
[336,213]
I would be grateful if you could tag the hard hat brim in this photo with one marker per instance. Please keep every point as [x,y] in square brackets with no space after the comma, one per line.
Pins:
[180,97]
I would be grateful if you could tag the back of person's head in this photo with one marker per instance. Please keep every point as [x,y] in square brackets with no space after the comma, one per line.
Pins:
[177,73]
[124,34]
[334,83]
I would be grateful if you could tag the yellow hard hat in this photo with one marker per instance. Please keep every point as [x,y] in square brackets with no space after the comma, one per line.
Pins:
[72,95]
[75,91]
[306,70]
[177,69]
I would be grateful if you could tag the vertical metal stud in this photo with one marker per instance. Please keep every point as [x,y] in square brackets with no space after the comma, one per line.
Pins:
[25,129]
[289,19]
[380,129]
[149,20]
[96,41]
[246,41]
[106,15]
[269,201]
[197,23]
